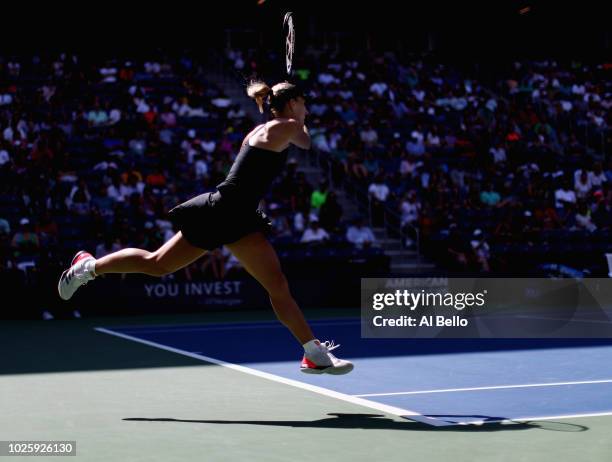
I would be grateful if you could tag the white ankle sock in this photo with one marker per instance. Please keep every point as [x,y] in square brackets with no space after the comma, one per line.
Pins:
[312,347]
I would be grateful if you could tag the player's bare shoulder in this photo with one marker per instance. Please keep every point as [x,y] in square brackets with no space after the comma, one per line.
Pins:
[251,133]
[283,129]
[278,134]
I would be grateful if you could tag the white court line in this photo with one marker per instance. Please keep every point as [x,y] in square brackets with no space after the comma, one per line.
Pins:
[526,419]
[304,386]
[546,318]
[229,326]
[497,387]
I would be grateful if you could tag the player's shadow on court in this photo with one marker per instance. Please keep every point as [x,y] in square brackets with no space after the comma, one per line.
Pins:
[380,422]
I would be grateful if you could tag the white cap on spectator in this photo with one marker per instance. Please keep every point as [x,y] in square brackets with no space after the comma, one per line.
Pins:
[477,232]
[24,221]
[191,133]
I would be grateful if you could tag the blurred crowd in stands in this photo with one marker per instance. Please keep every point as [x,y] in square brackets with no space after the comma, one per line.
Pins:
[94,152]
[481,170]
[489,168]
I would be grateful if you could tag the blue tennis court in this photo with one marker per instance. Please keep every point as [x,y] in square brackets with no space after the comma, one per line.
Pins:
[438,381]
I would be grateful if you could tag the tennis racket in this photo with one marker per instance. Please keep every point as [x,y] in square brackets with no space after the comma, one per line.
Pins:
[289,34]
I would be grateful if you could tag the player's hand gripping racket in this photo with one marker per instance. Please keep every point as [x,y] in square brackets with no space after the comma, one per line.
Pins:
[289,33]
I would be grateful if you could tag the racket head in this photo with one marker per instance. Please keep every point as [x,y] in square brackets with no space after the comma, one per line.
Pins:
[289,38]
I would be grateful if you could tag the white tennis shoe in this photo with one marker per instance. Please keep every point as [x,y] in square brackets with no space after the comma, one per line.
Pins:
[323,362]
[79,273]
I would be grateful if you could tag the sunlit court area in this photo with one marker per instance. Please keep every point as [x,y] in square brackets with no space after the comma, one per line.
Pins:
[302,231]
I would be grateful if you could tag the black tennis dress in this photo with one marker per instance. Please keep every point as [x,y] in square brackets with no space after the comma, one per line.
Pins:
[214,219]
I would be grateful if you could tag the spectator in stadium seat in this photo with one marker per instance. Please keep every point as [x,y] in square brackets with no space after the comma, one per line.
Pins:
[156,178]
[359,234]
[302,216]
[79,201]
[208,144]
[564,196]
[409,166]
[597,177]
[200,167]
[415,145]
[583,185]
[354,166]
[25,242]
[134,185]
[602,215]
[138,144]
[114,115]
[489,196]
[168,117]
[379,88]
[546,217]
[319,195]
[236,112]
[583,217]
[47,229]
[115,191]
[498,153]
[481,250]
[368,135]
[5,158]
[379,193]
[409,209]
[5,227]
[97,116]
[314,234]
[378,189]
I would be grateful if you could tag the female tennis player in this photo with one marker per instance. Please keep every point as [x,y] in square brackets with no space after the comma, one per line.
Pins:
[230,217]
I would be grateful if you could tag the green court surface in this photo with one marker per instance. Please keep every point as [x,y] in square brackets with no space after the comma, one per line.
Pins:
[125,401]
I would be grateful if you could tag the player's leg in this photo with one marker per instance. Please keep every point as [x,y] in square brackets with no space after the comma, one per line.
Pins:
[259,258]
[170,257]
